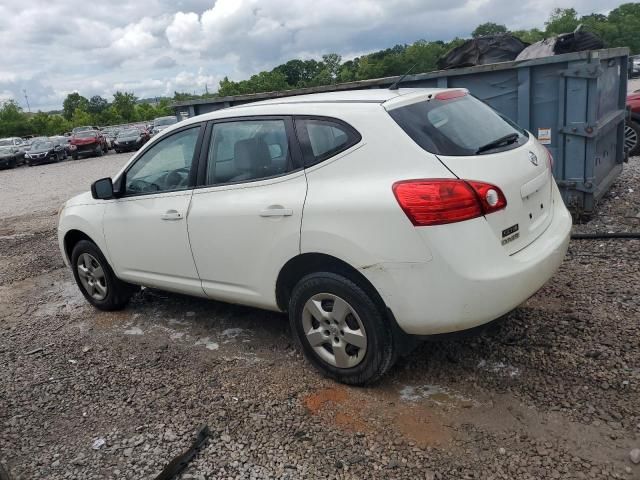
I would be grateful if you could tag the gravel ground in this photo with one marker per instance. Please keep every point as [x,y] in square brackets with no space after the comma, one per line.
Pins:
[550,391]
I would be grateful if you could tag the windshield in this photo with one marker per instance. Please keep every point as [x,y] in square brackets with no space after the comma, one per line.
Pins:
[457,124]
[6,143]
[42,146]
[131,132]
[160,122]
[87,134]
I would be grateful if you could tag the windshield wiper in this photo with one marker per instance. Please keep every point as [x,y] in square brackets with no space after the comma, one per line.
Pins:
[506,140]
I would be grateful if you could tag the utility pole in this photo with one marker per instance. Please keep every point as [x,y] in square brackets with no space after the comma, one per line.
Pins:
[24,90]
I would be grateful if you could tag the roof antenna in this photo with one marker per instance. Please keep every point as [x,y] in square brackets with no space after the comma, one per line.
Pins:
[395,84]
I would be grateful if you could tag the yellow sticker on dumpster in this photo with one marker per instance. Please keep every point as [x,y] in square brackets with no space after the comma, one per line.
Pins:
[544,136]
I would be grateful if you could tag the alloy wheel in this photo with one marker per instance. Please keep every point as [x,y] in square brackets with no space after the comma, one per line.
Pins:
[334,330]
[92,276]
[630,138]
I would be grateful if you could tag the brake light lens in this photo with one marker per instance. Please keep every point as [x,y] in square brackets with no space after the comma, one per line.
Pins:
[442,201]
[450,94]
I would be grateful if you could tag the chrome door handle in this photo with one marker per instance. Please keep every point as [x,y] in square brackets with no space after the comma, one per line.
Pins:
[171,215]
[276,212]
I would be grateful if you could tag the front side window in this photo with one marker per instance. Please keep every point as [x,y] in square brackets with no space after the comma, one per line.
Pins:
[248,150]
[324,138]
[165,166]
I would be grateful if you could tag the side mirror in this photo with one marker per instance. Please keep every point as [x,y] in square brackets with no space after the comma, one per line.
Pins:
[102,189]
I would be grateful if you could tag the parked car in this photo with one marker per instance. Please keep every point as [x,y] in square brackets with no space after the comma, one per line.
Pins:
[372,217]
[44,151]
[11,152]
[85,128]
[634,66]
[110,135]
[161,123]
[632,126]
[63,141]
[129,139]
[88,142]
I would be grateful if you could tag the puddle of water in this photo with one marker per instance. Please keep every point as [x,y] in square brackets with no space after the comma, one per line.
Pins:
[232,332]
[209,345]
[435,394]
[134,331]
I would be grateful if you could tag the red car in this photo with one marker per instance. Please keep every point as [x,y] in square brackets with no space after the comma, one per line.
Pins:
[632,127]
[88,142]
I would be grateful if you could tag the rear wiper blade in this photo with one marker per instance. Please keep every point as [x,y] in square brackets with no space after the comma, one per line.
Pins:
[506,140]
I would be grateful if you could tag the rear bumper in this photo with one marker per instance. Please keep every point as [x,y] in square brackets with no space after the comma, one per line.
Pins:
[470,280]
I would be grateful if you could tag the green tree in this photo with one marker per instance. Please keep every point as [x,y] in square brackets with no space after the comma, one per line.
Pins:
[124,103]
[13,121]
[623,27]
[562,20]
[72,102]
[97,105]
[529,36]
[488,28]
[81,118]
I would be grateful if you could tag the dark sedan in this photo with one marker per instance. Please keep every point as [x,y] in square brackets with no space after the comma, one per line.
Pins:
[129,139]
[44,152]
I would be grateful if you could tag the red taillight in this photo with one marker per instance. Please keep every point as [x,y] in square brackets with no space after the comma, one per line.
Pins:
[441,201]
[450,94]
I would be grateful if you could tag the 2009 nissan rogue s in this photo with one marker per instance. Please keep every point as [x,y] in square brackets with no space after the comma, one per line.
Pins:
[367,215]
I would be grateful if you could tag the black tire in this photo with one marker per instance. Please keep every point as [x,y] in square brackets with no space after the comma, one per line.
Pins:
[99,151]
[12,163]
[118,293]
[632,138]
[380,346]
[74,156]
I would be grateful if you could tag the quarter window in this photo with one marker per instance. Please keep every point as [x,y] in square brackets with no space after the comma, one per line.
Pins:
[248,150]
[165,166]
[324,138]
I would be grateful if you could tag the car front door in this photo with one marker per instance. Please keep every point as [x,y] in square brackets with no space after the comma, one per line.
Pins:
[244,221]
[146,228]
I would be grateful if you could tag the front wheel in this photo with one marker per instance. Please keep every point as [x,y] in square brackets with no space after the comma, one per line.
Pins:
[99,151]
[341,330]
[96,279]
[74,156]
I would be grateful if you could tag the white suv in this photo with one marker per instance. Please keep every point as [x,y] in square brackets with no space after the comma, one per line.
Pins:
[370,216]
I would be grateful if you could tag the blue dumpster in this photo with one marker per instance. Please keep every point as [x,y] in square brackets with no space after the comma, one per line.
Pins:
[574,103]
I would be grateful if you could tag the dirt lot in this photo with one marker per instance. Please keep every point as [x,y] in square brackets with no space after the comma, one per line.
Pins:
[551,391]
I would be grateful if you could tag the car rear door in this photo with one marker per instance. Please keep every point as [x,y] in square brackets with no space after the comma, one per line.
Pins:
[245,218]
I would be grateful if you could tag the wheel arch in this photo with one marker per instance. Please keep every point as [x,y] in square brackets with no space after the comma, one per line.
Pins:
[307,263]
[71,238]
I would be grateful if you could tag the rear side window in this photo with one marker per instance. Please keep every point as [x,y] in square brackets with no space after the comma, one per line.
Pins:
[457,125]
[322,138]
[248,150]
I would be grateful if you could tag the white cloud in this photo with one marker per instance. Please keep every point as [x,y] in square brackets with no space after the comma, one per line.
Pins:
[158,46]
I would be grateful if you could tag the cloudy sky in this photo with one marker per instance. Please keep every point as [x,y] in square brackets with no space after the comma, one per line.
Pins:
[153,47]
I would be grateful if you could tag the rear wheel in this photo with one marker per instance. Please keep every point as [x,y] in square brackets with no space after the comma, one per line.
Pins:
[74,156]
[341,330]
[99,151]
[96,279]
[12,163]
[632,138]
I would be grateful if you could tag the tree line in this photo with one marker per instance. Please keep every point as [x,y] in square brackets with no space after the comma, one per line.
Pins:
[620,28]
[78,110]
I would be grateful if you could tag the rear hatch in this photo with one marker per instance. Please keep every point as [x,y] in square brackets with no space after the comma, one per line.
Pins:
[462,132]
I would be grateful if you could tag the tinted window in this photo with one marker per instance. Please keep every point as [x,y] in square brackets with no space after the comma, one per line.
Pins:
[247,150]
[457,126]
[165,166]
[324,138]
